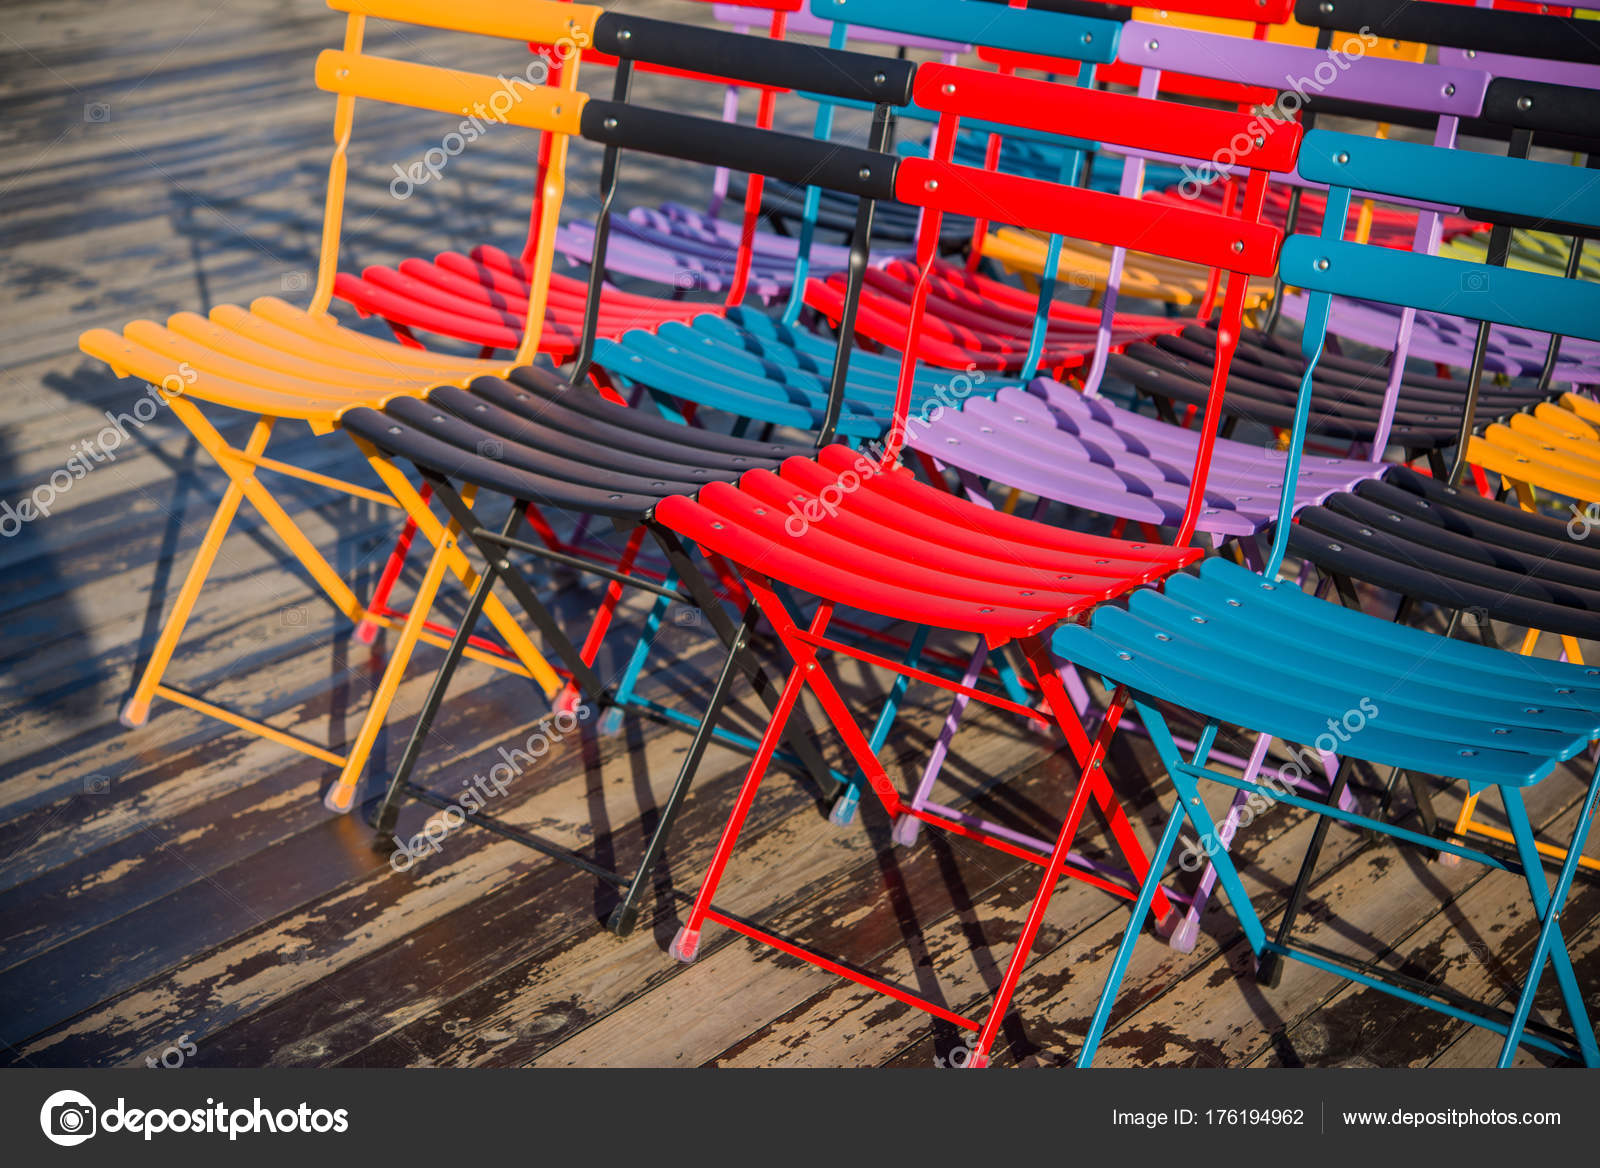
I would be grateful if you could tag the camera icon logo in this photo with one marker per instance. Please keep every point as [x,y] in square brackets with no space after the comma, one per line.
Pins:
[96,111]
[1475,282]
[295,281]
[68,1118]
[491,448]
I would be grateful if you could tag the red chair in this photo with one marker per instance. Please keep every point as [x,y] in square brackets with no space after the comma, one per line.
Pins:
[871,537]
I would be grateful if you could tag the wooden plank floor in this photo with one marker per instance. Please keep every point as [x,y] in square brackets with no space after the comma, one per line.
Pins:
[182,881]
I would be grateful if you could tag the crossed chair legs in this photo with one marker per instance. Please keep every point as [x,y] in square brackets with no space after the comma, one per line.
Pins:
[496,546]
[242,464]
[1514,1025]
[802,645]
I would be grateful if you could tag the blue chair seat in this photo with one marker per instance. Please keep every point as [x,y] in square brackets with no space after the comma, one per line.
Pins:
[1295,666]
[749,365]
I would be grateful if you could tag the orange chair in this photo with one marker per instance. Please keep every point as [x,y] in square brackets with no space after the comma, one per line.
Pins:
[278,363]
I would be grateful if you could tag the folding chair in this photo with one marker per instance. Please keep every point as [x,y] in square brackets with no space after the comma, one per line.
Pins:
[893,547]
[278,364]
[559,443]
[1464,712]
[1085,452]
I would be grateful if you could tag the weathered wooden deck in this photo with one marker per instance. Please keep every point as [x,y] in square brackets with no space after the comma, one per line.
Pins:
[182,883]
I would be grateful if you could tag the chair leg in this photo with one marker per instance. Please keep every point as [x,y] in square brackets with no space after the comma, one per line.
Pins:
[1130,937]
[136,709]
[1548,903]
[1270,966]
[626,914]
[341,795]
[389,810]
[1048,882]
[686,945]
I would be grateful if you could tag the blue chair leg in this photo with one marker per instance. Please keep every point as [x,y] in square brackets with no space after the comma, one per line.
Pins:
[612,722]
[1547,904]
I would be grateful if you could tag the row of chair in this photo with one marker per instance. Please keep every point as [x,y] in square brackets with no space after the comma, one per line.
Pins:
[844,474]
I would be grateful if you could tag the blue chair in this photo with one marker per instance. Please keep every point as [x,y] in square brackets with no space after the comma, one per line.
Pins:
[1248,650]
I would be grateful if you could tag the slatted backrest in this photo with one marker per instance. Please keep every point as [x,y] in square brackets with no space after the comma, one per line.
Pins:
[1350,74]
[1237,245]
[1520,34]
[353,73]
[981,22]
[1566,197]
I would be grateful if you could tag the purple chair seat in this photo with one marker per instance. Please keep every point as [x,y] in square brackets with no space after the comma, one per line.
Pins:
[1051,441]
[683,249]
[1449,340]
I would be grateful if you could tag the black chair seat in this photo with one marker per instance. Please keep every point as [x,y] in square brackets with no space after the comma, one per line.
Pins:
[1348,391]
[836,211]
[1450,546]
[537,438]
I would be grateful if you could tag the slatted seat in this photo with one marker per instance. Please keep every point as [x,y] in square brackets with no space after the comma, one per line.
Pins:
[901,548]
[1349,391]
[1449,340]
[557,444]
[1466,711]
[684,249]
[483,298]
[754,367]
[1421,538]
[1556,447]
[1053,442]
[276,358]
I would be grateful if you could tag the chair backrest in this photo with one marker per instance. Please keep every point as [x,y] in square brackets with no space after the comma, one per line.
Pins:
[1566,198]
[352,73]
[1241,246]
[1486,30]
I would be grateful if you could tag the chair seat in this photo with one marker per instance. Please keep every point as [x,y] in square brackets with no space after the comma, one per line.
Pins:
[535,437]
[483,299]
[277,360]
[889,544]
[749,365]
[1556,447]
[1051,441]
[1301,669]
[976,321]
[1414,535]
[1347,397]
[685,250]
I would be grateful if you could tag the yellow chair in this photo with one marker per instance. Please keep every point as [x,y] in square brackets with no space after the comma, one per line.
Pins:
[1556,448]
[278,363]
